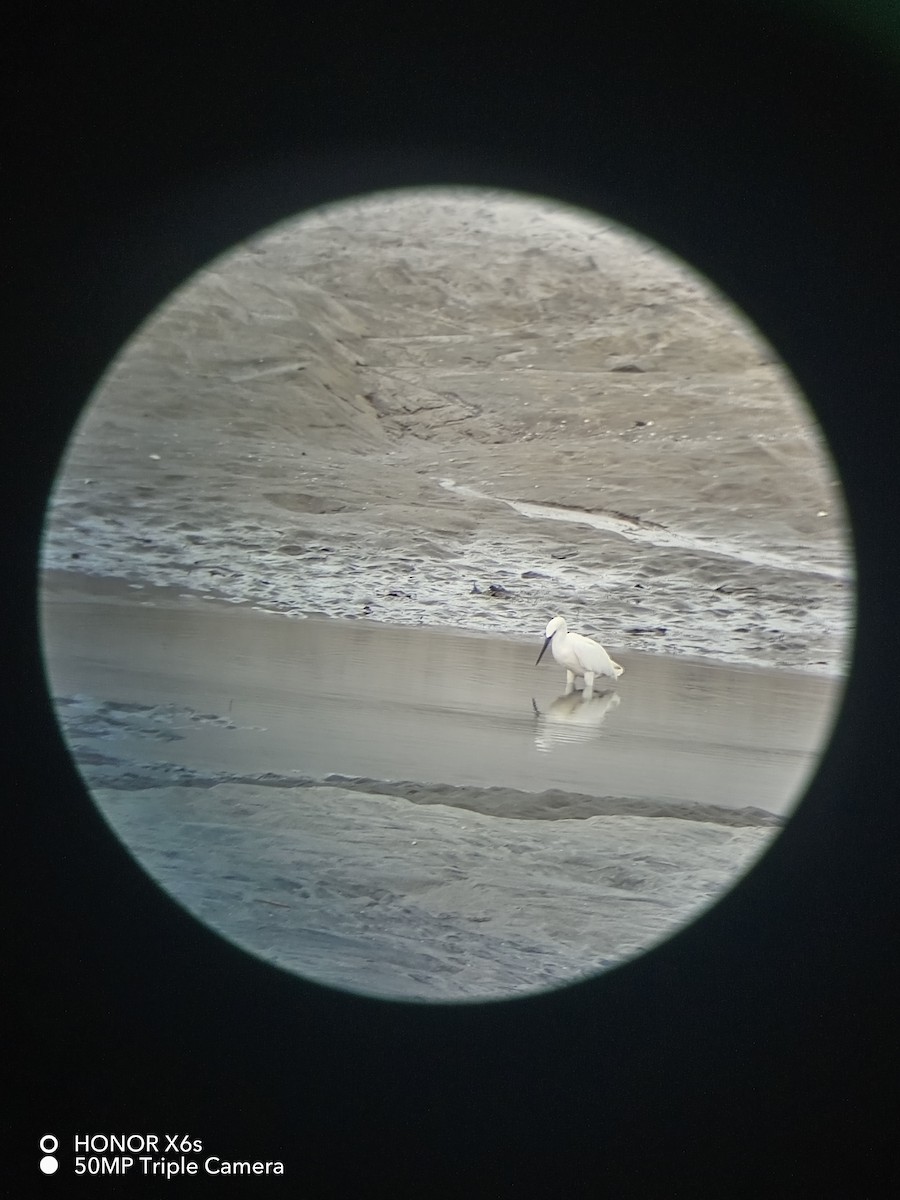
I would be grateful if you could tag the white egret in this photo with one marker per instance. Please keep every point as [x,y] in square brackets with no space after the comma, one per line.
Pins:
[579,655]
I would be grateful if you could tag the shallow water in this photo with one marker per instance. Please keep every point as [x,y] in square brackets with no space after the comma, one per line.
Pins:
[320,697]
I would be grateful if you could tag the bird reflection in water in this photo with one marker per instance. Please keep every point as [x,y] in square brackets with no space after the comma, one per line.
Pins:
[572,718]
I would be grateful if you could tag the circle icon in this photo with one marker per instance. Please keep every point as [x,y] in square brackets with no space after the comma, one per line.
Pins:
[49,1143]
[49,1164]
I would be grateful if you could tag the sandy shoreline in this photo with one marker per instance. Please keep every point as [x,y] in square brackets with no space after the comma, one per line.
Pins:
[452,713]
[420,892]
[377,895]
[413,890]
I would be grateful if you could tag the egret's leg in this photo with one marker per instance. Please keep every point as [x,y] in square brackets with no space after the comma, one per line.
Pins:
[570,683]
[588,684]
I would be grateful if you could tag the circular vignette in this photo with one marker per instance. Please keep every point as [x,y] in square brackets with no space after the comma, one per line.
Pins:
[517,215]
[798,184]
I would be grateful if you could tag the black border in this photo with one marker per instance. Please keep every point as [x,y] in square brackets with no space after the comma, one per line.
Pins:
[755,1050]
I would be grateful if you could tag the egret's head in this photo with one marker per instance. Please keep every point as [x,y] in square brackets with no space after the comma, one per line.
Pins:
[552,627]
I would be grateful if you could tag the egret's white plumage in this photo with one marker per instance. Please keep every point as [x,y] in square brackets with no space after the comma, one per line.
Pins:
[581,656]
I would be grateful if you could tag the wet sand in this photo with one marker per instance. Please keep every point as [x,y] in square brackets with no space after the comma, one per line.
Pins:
[385,810]
[321,698]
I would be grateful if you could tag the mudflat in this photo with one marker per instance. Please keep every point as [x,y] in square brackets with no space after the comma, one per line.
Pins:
[303,547]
